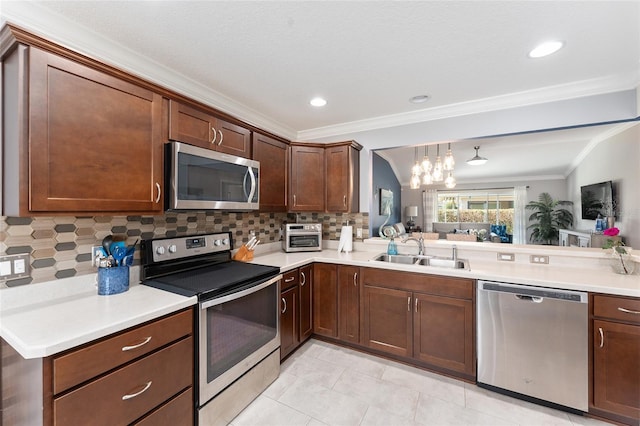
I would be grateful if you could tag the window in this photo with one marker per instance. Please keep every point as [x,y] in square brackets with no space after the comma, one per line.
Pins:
[482,205]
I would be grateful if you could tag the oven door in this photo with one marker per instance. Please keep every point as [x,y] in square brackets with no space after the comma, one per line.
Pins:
[303,242]
[237,331]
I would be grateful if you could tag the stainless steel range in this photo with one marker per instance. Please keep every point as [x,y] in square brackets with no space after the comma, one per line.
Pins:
[238,345]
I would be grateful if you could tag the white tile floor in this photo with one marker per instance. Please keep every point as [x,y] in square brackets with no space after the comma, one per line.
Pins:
[324,384]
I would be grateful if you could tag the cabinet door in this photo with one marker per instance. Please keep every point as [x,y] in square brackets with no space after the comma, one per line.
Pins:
[443,332]
[191,125]
[307,179]
[325,300]
[288,321]
[349,303]
[616,368]
[233,139]
[95,143]
[306,294]
[342,174]
[273,156]
[387,320]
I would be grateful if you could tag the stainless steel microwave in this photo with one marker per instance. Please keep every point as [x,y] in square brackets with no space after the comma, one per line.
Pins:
[202,179]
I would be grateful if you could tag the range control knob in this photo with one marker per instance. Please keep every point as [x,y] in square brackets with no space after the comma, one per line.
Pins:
[225,242]
[217,242]
[160,250]
[173,248]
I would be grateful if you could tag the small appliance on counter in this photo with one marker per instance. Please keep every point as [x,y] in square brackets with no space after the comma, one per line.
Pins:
[302,237]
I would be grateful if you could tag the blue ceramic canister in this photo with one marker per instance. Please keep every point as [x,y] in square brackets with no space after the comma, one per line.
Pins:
[113,280]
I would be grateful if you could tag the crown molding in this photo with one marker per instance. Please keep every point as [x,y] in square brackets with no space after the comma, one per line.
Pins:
[57,28]
[573,90]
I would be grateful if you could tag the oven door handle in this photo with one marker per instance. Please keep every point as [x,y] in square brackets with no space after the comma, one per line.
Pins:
[217,301]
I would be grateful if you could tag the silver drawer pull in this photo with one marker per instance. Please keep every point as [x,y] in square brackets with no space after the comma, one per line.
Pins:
[130,348]
[288,280]
[284,302]
[133,395]
[628,311]
[303,281]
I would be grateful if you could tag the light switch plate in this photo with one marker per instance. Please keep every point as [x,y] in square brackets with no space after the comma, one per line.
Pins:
[15,266]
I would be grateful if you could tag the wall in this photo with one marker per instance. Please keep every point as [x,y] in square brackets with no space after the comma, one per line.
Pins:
[383,177]
[617,159]
[60,246]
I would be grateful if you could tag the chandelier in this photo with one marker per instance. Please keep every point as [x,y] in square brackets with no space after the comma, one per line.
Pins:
[427,173]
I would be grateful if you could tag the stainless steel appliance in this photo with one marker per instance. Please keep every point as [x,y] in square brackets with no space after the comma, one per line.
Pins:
[534,341]
[302,237]
[237,322]
[203,179]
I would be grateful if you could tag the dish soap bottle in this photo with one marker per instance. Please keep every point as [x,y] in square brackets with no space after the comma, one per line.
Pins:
[392,248]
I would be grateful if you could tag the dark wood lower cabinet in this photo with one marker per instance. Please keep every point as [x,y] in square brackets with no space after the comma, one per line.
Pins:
[349,303]
[615,392]
[289,324]
[306,302]
[325,300]
[387,322]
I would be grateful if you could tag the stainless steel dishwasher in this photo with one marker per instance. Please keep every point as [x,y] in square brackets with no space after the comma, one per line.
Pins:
[534,341]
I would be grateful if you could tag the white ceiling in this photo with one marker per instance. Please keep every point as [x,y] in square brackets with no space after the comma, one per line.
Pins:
[262,61]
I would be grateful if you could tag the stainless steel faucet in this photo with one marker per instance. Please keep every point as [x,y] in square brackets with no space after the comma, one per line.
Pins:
[420,242]
[454,253]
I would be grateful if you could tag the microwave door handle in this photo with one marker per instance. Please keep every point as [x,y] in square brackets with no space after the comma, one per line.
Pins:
[253,184]
[244,184]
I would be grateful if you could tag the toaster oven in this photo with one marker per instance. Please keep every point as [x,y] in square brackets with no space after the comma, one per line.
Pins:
[302,237]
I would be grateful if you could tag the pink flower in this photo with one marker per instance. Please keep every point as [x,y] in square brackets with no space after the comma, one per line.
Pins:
[611,232]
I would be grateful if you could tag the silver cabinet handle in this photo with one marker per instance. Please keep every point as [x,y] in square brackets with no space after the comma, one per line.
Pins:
[221,137]
[355,279]
[303,281]
[132,347]
[288,280]
[408,303]
[416,304]
[628,311]
[344,200]
[159,192]
[294,200]
[601,337]
[285,306]
[215,135]
[133,395]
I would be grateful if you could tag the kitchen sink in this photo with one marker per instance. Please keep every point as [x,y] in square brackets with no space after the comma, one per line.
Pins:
[407,259]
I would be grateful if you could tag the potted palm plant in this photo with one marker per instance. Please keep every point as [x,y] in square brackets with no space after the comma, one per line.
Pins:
[548,218]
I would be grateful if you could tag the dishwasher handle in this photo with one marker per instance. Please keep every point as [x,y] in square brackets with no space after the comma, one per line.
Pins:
[534,299]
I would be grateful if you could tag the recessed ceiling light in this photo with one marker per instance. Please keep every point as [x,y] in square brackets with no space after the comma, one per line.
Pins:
[318,102]
[546,48]
[419,99]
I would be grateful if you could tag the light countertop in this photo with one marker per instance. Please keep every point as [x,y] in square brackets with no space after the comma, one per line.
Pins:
[40,320]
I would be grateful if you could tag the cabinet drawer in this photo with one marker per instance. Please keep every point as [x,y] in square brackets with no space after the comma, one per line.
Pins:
[290,278]
[128,393]
[90,361]
[461,288]
[618,308]
[176,412]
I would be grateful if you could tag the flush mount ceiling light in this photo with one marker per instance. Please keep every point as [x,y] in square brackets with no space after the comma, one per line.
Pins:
[477,160]
[546,49]
[318,102]
[419,99]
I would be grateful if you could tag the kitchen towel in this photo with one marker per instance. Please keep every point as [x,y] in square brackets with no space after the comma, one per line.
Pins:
[346,239]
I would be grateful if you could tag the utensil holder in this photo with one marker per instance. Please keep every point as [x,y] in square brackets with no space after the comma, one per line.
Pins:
[113,280]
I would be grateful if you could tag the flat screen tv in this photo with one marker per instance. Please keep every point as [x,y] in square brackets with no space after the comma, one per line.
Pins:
[597,199]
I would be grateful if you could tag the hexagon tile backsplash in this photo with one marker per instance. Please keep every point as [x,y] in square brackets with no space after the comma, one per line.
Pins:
[60,246]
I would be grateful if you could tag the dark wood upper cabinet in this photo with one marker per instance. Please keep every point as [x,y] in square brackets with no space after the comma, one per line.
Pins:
[343,178]
[273,156]
[77,139]
[307,178]
[201,128]
[324,177]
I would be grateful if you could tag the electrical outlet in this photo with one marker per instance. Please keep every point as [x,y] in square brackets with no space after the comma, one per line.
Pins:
[97,253]
[359,233]
[536,258]
[507,257]
[15,266]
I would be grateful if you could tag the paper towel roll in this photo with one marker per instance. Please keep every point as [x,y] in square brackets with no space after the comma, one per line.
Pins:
[346,239]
